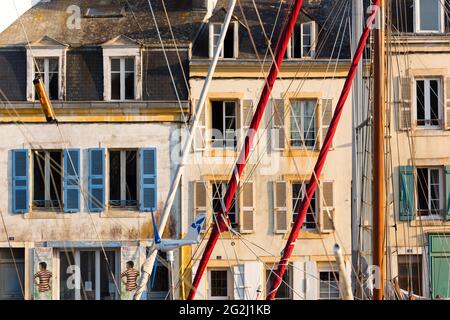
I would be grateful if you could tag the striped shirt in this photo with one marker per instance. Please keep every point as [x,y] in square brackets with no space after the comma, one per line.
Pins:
[131,278]
[44,277]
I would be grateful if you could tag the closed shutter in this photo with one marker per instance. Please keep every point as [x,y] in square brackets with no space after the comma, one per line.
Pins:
[312,280]
[327,115]
[248,208]
[253,279]
[404,107]
[239,287]
[298,281]
[280,208]
[96,180]
[246,120]
[20,192]
[447,191]
[199,143]
[71,180]
[326,220]
[278,136]
[407,191]
[200,201]
[201,293]
[148,180]
[447,103]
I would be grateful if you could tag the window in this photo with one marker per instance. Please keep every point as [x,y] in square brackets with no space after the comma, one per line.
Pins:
[219,284]
[224,124]
[48,70]
[12,273]
[285,290]
[298,193]
[303,41]
[122,79]
[230,45]
[429,16]
[430,191]
[329,285]
[303,131]
[47,178]
[410,273]
[158,289]
[97,274]
[123,182]
[218,192]
[428,103]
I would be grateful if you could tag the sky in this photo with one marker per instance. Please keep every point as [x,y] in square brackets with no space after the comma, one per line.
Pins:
[8,12]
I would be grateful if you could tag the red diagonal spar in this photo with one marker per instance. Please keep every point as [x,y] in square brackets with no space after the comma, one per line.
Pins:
[221,218]
[286,253]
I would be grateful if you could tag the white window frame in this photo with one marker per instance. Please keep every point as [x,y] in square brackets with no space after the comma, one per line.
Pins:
[229,285]
[303,193]
[110,52]
[331,270]
[224,185]
[417,28]
[224,118]
[58,52]
[427,106]
[123,72]
[437,216]
[300,125]
[214,38]
[312,53]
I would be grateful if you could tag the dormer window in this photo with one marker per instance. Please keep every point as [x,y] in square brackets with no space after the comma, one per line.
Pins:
[231,42]
[429,16]
[48,70]
[122,78]
[303,41]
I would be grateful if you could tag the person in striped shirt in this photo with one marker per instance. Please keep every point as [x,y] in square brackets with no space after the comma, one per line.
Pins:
[131,276]
[42,278]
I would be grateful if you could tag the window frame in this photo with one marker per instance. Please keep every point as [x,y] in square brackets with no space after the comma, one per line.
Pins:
[303,193]
[229,284]
[427,95]
[289,285]
[313,42]
[417,15]
[331,270]
[237,125]
[213,43]
[224,185]
[122,77]
[412,258]
[303,146]
[430,215]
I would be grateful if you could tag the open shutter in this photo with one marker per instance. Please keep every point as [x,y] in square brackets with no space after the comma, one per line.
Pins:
[148,180]
[201,293]
[447,191]
[312,281]
[326,220]
[404,107]
[447,103]
[298,281]
[200,132]
[407,191]
[239,287]
[20,192]
[247,115]
[327,115]
[280,218]
[278,137]
[200,201]
[71,180]
[248,208]
[253,279]
[96,180]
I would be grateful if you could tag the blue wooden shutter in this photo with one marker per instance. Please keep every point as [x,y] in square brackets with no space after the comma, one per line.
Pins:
[447,190]
[71,180]
[96,180]
[407,209]
[148,174]
[20,181]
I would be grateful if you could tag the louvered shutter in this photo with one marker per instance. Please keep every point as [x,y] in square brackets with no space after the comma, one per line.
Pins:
[278,136]
[407,192]
[20,181]
[327,115]
[405,103]
[148,179]
[96,199]
[200,201]
[248,208]
[326,220]
[71,180]
[280,217]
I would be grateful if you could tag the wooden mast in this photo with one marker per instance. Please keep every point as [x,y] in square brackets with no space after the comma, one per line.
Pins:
[378,194]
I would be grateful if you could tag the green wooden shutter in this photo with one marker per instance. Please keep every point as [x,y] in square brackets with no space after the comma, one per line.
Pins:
[407,210]
[447,191]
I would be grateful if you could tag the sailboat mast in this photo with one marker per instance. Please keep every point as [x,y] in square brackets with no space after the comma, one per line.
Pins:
[378,193]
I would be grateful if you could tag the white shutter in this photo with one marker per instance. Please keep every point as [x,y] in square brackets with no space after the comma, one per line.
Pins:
[447,103]
[201,293]
[313,38]
[253,279]
[247,219]
[200,201]
[238,283]
[280,212]
[298,281]
[404,108]
[199,143]
[211,40]
[278,135]
[236,39]
[246,113]
[312,281]
[327,115]
[326,219]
